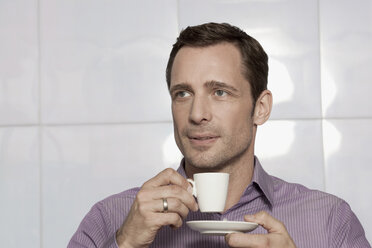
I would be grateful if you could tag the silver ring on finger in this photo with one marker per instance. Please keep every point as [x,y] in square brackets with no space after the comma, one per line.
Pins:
[165,205]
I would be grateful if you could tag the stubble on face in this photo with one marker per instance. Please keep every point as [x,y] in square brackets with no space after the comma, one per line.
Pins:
[230,147]
[229,120]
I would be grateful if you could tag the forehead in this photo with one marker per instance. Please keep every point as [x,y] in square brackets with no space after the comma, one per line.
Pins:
[221,62]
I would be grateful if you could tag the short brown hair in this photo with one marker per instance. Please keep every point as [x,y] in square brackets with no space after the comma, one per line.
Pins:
[254,58]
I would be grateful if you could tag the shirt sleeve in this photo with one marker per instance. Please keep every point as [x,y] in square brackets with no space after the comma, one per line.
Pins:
[346,230]
[94,230]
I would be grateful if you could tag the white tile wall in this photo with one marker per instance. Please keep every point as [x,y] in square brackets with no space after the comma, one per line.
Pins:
[19,187]
[289,32]
[19,91]
[292,150]
[347,150]
[98,57]
[104,101]
[346,38]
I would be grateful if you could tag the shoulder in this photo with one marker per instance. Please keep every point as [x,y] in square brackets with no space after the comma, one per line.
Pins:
[297,194]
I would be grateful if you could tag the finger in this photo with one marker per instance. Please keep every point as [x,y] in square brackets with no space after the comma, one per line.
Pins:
[166,177]
[168,219]
[151,212]
[268,222]
[174,206]
[169,191]
[247,240]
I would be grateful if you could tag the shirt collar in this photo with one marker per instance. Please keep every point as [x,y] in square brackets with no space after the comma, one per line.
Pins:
[260,178]
[263,180]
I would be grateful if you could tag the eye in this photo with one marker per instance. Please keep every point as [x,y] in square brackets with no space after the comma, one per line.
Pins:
[182,94]
[220,93]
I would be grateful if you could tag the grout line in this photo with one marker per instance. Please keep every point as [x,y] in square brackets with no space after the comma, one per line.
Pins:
[178,16]
[18,125]
[71,124]
[106,123]
[40,134]
[323,155]
[320,118]
[41,184]
[83,124]
[321,99]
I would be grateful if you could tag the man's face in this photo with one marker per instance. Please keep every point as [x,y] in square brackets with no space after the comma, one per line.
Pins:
[211,105]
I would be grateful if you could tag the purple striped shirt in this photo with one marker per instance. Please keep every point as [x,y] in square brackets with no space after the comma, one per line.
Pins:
[313,218]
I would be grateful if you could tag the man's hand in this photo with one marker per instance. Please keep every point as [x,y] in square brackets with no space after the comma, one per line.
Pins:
[147,214]
[277,235]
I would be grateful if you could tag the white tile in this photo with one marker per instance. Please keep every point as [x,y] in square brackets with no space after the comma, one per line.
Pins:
[19,187]
[18,62]
[348,157]
[84,164]
[346,38]
[288,31]
[105,61]
[292,150]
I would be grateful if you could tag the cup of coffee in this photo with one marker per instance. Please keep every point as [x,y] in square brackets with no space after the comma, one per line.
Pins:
[210,190]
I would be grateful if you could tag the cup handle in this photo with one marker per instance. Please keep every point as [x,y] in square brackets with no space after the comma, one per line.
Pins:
[193,187]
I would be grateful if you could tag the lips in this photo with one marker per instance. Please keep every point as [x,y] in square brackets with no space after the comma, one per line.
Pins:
[202,139]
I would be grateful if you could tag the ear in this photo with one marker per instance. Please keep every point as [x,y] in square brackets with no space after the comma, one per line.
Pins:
[263,107]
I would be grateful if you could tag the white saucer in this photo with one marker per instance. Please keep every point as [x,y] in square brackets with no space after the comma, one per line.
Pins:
[221,227]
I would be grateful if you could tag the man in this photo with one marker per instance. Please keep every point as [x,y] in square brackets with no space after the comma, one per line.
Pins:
[217,79]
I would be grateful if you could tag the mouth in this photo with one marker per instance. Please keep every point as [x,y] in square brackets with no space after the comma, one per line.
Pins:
[202,139]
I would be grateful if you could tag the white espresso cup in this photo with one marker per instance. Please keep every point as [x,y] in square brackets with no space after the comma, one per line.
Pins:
[210,189]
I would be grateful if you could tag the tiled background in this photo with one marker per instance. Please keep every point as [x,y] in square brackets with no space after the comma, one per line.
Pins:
[85,112]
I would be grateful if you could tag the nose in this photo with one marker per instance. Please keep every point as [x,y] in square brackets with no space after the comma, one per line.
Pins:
[200,111]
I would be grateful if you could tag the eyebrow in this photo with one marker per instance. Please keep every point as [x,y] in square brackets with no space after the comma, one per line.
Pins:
[210,84]
[217,84]
[181,86]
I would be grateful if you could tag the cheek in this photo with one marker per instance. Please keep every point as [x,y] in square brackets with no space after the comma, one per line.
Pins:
[176,137]
[180,115]
[238,123]
[177,122]
[178,126]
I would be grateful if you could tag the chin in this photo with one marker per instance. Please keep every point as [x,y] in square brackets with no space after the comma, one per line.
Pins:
[209,163]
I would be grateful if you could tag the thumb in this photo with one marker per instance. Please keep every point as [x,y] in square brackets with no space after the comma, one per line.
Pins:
[268,222]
